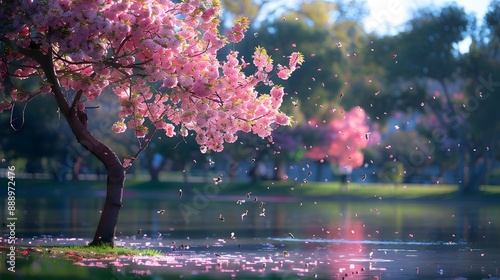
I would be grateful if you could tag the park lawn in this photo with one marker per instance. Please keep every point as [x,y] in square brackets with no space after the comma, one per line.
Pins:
[103,251]
[80,251]
[58,262]
[335,190]
[322,190]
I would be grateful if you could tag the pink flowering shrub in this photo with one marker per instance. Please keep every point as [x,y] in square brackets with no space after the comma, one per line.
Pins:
[341,139]
[159,58]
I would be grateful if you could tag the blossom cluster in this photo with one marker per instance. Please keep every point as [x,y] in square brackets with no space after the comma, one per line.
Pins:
[343,138]
[158,57]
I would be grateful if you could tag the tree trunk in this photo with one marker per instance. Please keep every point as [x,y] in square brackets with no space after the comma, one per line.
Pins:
[279,169]
[115,183]
[76,119]
[154,174]
[154,171]
[472,175]
[232,167]
[76,168]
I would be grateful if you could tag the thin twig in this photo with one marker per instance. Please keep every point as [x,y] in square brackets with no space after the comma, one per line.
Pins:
[142,148]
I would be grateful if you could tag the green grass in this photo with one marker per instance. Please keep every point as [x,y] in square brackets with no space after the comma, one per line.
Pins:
[491,189]
[373,190]
[82,251]
[105,250]
[330,190]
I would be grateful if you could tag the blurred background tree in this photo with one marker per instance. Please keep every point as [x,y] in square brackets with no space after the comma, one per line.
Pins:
[31,122]
[427,75]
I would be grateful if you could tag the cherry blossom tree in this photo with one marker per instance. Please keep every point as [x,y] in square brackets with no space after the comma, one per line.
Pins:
[160,60]
[341,139]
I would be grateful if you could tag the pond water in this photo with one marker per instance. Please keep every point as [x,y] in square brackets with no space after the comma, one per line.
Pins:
[294,239]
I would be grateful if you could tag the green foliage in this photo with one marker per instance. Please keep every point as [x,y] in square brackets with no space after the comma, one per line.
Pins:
[426,47]
[36,119]
[454,93]
[243,7]
[391,172]
[329,39]
[422,54]
[482,68]
[492,20]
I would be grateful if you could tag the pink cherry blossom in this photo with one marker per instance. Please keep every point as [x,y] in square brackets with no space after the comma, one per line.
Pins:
[341,139]
[140,131]
[284,73]
[119,127]
[159,58]
[282,119]
[169,130]
[127,162]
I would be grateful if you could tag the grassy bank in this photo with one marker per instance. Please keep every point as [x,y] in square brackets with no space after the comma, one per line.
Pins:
[315,190]
[75,252]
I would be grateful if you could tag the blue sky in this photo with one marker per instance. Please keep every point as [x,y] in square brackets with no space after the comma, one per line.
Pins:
[393,13]
[388,16]
[390,13]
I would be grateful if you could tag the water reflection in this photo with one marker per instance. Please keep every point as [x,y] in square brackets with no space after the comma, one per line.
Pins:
[390,240]
[356,221]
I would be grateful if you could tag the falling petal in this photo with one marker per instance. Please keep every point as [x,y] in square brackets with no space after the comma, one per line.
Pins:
[218,179]
[263,212]
[240,201]
[244,214]
[203,149]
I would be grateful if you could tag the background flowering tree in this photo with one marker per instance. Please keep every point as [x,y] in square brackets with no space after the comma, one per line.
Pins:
[339,140]
[160,60]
